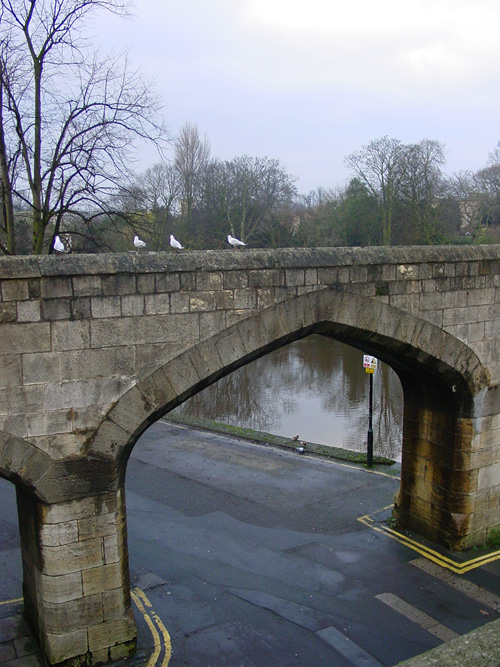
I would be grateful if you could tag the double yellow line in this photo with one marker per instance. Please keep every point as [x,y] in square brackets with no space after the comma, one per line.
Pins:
[161,638]
[442,560]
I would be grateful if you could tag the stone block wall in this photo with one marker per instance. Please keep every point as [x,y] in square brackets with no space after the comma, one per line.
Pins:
[77,332]
[80,334]
[75,577]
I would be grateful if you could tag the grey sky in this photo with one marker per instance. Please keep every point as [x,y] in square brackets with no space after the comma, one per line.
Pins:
[309,81]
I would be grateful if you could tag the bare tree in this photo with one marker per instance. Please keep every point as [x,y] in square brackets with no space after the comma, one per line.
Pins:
[478,196]
[152,201]
[381,166]
[192,155]
[248,195]
[422,187]
[69,116]
[494,157]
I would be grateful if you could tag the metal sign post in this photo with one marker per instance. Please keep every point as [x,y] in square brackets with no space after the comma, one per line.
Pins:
[370,364]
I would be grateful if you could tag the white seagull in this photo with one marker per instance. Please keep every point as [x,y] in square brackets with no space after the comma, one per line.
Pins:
[175,243]
[58,245]
[138,243]
[234,242]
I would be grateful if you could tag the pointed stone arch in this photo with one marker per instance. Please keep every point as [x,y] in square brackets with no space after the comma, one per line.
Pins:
[441,377]
[443,382]
[22,463]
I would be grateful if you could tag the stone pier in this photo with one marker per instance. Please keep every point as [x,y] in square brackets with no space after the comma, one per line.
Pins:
[76,583]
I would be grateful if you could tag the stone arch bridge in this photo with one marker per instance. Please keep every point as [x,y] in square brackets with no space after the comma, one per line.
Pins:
[94,349]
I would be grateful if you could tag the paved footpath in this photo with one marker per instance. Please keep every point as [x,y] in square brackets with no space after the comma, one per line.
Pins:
[247,555]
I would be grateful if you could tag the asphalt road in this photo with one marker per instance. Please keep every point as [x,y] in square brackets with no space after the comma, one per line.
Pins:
[244,555]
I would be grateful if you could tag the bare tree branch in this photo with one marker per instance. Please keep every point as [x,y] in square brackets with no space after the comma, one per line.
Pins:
[73,117]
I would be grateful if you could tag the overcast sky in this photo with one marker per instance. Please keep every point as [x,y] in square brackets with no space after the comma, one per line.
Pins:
[308,82]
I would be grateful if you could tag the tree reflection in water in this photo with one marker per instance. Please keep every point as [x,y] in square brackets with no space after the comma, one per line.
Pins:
[315,387]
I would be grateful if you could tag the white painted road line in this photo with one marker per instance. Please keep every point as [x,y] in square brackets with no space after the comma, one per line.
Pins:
[348,648]
[473,591]
[427,622]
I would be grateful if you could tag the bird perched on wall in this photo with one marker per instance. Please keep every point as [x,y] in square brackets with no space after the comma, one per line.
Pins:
[138,243]
[175,243]
[234,242]
[295,437]
[59,245]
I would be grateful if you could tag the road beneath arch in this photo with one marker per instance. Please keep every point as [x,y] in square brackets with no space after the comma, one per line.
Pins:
[252,555]
[242,554]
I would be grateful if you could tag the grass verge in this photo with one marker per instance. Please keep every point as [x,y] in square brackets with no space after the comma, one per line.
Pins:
[277,440]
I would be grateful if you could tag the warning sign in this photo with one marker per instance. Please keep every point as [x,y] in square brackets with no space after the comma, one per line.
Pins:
[370,363]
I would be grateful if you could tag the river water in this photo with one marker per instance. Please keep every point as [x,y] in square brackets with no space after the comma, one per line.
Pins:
[316,388]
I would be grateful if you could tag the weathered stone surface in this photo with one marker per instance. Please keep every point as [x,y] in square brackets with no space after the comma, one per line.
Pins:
[56,309]
[28,311]
[73,557]
[143,330]
[78,509]
[112,632]
[127,337]
[100,525]
[202,301]
[87,285]
[54,287]
[181,374]
[70,616]
[105,306]
[57,534]
[8,312]
[213,280]
[230,348]
[244,299]
[121,283]
[132,305]
[113,604]
[61,588]
[104,578]
[77,394]
[179,302]
[211,323]
[167,282]
[111,549]
[157,388]
[29,337]
[15,290]
[205,359]
[69,335]
[59,647]
[234,279]
[157,304]
[10,370]
[224,299]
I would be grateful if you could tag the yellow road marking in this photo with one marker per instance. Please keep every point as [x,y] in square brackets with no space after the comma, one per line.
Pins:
[156,628]
[424,620]
[153,621]
[465,587]
[156,637]
[16,601]
[453,565]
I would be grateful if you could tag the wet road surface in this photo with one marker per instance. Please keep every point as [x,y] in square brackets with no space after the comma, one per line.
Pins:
[248,555]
